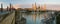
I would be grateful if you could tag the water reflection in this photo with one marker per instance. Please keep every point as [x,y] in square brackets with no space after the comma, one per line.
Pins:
[35,18]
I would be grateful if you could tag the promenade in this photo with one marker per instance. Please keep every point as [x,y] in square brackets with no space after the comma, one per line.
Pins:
[10,19]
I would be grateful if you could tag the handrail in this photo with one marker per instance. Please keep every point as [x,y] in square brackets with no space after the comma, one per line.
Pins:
[9,19]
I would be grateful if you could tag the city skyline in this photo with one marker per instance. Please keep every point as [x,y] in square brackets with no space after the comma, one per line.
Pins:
[28,3]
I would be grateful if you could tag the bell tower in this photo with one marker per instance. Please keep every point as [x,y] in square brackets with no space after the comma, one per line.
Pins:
[34,6]
[45,7]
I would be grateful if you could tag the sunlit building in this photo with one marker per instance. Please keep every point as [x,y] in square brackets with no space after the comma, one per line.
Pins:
[34,6]
[45,7]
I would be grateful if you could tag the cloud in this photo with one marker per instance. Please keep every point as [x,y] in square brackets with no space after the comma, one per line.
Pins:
[23,5]
[1,2]
[16,6]
[26,5]
[53,7]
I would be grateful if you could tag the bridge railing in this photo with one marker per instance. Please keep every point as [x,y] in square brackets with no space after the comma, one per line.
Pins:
[10,19]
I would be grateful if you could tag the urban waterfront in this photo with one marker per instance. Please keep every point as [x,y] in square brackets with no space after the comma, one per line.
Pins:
[29,12]
[37,18]
[34,15]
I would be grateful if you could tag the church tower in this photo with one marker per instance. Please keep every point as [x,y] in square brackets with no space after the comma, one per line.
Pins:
[34,6]
[45,7]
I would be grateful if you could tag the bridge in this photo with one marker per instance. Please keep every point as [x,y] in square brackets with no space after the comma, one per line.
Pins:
[8,19]
[11,17]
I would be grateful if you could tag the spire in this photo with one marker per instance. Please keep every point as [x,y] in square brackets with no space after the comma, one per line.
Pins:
[44,6]
[35,7]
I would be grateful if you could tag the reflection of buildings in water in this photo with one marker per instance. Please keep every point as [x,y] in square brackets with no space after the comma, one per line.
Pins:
[34,18]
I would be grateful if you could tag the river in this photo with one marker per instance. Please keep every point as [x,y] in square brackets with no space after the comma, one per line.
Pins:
[38,17]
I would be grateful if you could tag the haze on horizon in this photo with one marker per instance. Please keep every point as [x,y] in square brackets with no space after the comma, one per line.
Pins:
[50,4]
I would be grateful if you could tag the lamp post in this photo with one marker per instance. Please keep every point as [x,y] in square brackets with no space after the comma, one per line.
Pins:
[1,7]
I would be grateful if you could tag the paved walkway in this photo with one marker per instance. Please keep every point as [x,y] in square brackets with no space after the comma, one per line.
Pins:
[9,19]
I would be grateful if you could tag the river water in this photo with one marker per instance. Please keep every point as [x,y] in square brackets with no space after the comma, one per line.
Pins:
[38,17]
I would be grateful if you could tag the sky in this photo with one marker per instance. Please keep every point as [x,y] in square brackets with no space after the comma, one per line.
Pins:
[28,3]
